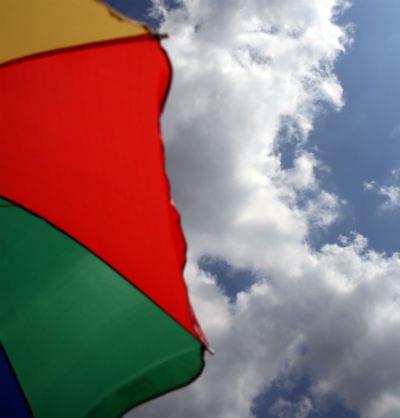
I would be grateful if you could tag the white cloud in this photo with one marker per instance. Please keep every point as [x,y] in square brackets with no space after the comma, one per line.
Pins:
[286,409]
[241,70]
[369,185]
[390,191]
[392,194]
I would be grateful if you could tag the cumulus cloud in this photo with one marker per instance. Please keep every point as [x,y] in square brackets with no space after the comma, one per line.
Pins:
[285,409]
[369,185]
[389,191]
[243,70]
[392,195]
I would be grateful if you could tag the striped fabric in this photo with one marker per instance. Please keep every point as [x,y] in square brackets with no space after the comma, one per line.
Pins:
[94,313]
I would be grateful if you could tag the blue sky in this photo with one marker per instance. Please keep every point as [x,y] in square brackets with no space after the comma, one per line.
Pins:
[137,9]
[278,143]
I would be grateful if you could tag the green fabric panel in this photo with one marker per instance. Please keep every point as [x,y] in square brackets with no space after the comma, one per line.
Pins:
[82,340]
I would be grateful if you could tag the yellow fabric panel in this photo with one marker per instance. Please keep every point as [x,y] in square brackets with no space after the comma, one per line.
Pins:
[31,26]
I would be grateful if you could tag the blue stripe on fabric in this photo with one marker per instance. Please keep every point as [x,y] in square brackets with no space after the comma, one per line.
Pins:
[12,401]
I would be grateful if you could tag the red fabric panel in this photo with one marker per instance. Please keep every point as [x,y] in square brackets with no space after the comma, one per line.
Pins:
[80,146]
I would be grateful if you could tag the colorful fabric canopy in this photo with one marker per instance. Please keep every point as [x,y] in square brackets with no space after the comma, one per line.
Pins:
[94,312]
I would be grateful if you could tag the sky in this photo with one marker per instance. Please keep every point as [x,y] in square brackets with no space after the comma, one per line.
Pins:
[282,136]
